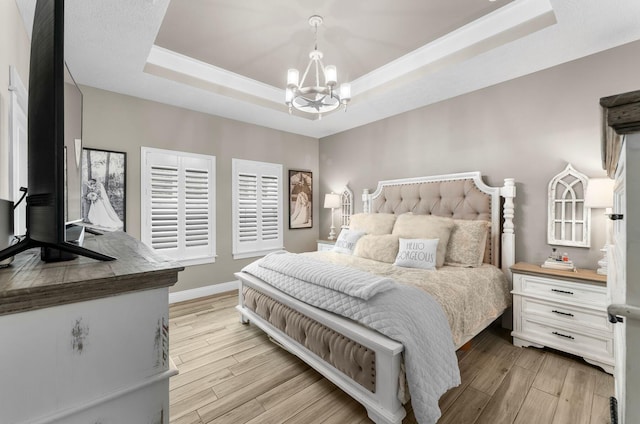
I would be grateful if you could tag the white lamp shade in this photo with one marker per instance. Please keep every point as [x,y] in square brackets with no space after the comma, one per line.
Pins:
[332,200]
[292,78]
[288,96]
[345,92]
[599,193]
[331,75]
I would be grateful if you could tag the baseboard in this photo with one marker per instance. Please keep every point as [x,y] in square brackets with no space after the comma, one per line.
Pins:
[183,295]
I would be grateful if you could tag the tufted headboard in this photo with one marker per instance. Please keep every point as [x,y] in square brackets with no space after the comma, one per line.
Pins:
[458,196]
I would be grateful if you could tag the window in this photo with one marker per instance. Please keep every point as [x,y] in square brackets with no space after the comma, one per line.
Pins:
[178,204]
[257,208]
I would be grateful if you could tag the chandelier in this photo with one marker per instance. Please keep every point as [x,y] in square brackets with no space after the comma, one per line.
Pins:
[312,97]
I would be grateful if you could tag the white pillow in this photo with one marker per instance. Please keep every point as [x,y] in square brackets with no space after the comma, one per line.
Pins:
[417,253]
[347,241]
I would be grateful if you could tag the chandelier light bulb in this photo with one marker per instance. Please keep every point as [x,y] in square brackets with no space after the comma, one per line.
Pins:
[292,78]
[345,92]
[331,75]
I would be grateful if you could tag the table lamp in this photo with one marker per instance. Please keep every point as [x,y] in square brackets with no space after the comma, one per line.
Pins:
[599,195]
[332,201]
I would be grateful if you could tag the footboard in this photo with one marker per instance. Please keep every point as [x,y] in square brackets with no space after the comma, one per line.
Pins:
[371,375]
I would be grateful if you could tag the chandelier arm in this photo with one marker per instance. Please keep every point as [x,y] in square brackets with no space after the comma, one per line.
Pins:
[304,76]
[324,75]
[317,72]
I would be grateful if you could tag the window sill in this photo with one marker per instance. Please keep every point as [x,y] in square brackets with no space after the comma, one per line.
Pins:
[245,255]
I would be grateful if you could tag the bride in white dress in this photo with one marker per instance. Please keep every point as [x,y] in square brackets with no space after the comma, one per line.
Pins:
[101,213]
[301,211]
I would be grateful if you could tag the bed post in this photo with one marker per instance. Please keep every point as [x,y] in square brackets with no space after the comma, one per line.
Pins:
[508,191]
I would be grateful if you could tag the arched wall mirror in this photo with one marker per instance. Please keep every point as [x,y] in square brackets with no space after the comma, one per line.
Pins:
[569,221]
[347,206]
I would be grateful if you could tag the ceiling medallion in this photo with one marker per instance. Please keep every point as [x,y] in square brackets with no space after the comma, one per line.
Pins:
[313,97]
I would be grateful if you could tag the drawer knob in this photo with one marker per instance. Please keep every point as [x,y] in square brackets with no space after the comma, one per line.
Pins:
[561,291]
[563,335]
[562,313]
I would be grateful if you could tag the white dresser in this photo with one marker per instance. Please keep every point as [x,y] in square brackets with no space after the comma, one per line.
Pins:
[564,310]
[85,341]
[325,245]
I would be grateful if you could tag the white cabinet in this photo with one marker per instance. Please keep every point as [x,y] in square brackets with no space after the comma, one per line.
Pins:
[64,358]
[85,341]
[325,245]
[563,310]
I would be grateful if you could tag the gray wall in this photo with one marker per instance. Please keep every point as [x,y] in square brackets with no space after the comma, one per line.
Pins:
[528,129]
[14,50]
[123,123]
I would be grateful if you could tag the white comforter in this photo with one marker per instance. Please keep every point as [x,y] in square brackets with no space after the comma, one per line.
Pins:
[470,297]
[402,313]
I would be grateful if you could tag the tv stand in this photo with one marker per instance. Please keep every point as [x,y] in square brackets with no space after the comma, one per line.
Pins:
[67,251]
[87,342]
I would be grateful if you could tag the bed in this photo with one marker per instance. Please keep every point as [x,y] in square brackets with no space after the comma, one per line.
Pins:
[365,363]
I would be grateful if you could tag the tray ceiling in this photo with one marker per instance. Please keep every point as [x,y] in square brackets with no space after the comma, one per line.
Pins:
[229,57]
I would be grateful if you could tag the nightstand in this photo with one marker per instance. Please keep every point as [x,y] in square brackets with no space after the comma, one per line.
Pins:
[563,310]
[325,245]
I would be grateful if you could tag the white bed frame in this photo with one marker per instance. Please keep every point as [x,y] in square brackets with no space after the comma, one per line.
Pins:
[383,405]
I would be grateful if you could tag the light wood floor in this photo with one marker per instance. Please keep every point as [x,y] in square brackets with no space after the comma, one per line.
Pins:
[232,374]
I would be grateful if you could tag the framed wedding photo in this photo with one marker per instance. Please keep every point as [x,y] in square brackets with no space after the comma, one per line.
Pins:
[300,199]
[104,181]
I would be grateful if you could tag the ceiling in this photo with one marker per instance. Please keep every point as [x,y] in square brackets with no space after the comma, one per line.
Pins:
[230,57]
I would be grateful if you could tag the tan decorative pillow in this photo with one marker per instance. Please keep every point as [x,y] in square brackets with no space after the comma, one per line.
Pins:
[382,248]
[467,243]
[373,223]
[409,225]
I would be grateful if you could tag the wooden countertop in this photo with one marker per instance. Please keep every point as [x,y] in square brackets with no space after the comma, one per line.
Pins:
[29,283]
[587,275]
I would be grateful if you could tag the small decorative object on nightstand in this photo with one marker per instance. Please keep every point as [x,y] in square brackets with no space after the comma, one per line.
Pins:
[332,201]
[564,310]
[558,261]
[325,245]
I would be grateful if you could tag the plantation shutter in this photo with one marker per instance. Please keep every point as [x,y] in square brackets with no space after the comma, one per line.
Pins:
[257,208]
[247,208]
[178,204]
[164,205]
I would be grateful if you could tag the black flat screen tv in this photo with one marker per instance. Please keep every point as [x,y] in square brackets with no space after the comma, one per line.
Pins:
[46,199]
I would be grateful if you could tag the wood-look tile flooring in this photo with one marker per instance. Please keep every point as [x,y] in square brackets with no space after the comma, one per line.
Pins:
[233,374]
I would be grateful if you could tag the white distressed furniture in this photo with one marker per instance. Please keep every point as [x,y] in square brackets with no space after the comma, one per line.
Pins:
[86,341]
[325,245]
[564,310]
[621,160]
[383,405]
